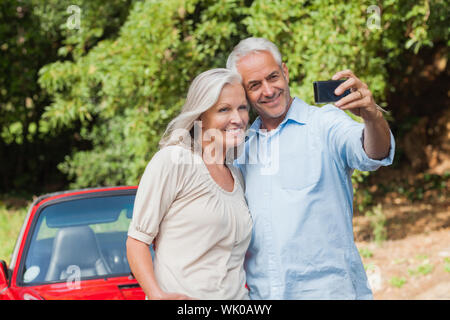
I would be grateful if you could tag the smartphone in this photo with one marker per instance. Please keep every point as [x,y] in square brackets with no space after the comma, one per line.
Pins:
[324,91]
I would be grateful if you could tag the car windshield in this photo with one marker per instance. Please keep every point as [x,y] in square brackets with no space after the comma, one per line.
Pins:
[80,239]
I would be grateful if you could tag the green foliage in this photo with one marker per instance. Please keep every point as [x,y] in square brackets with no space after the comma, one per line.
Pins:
[397,282]
[134,84]
[365,253]
[19,38]
[447,264]
[423,269]
[423,22]
[25,145]
[319,38]
[124,74]
[423,184]
[362,196]
[378,223]
[369,266]
[11,220]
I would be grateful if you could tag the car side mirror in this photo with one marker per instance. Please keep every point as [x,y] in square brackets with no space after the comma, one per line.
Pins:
[3,274]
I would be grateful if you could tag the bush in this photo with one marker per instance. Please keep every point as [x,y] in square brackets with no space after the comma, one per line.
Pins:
[126,82]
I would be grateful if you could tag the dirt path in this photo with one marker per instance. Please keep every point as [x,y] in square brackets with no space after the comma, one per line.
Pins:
[416,267]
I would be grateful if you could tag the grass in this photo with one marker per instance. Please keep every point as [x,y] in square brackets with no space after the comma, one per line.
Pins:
[447,264]
[421,257]
[369,266]
[11,220]
[378,223]
[423,269]
[365,253]
[397,282]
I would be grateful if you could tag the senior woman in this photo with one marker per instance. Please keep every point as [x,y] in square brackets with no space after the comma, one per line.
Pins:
[190,200]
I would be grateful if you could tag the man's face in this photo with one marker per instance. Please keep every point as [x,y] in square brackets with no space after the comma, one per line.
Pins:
[266,86]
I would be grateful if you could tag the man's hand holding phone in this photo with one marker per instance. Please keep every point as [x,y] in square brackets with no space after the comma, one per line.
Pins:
[361,103]
[360,100]
[351,94]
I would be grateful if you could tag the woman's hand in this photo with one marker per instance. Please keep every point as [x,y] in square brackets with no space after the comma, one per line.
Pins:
[140,261]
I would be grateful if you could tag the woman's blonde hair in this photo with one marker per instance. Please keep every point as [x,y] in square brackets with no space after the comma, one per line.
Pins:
[203,93]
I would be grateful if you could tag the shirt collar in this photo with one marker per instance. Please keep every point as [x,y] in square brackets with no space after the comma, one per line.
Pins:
[297,112]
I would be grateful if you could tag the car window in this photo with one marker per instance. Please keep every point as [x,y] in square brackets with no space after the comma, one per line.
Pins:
[80,239]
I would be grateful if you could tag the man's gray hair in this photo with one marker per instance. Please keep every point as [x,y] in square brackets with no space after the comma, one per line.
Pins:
[249,45]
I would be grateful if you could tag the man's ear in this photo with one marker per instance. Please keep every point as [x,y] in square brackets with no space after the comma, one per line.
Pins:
[285,71]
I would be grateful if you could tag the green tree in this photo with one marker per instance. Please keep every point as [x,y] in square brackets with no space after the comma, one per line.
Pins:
[24,144]
[124,87]
[33,33]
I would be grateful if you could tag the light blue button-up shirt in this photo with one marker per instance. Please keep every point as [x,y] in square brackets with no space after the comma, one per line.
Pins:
[300,195]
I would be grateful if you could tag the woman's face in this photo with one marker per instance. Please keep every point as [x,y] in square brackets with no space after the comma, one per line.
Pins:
[226,121]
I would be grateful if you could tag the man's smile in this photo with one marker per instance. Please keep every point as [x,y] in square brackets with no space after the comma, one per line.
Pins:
[274,101]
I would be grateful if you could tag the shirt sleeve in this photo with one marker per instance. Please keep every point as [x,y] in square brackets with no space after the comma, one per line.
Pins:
[345,139]
[156,192]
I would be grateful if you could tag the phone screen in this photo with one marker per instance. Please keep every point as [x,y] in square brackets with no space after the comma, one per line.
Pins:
[324,91]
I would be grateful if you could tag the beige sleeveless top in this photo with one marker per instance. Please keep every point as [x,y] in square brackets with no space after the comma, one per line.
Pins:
[201,231]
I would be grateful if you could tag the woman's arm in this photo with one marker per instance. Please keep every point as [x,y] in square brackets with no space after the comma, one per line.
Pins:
[140,261]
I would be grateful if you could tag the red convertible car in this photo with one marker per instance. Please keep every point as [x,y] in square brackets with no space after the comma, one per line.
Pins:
[72,246]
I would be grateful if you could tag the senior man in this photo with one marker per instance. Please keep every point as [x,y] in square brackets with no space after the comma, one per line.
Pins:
[297,166]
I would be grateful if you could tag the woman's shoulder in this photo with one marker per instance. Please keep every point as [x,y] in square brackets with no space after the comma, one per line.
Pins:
[173,155]
[169,162]
[175,160]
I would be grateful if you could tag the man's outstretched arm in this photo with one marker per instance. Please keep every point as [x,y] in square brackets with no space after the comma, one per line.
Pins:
[361,103]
